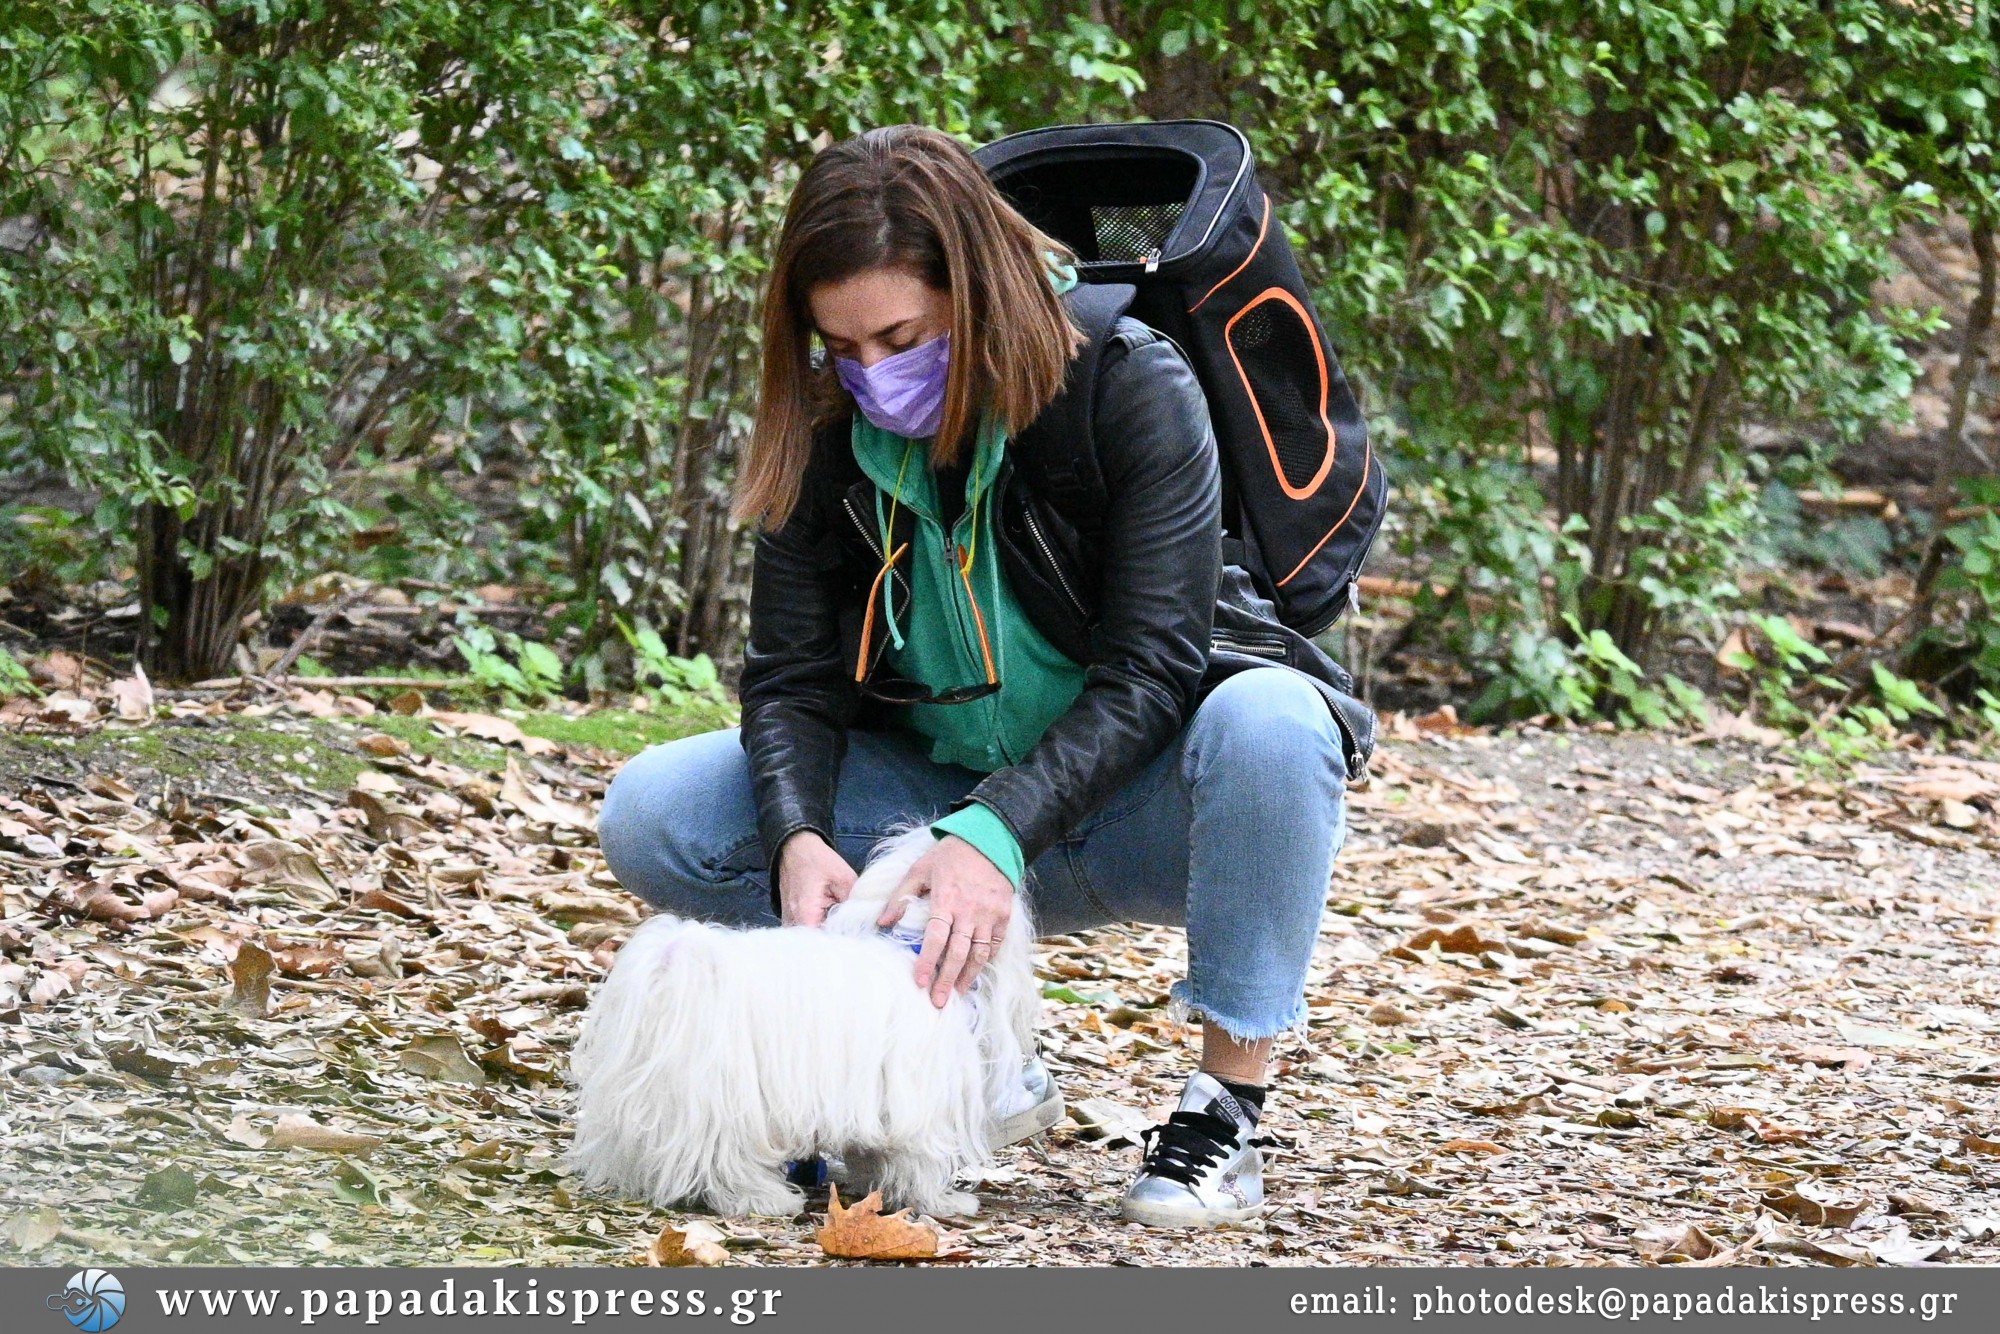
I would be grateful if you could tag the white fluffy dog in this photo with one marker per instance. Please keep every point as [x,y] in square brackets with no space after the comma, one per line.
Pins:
[714,1055]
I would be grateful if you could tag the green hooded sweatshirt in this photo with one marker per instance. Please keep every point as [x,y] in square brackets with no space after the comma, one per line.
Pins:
[937,639]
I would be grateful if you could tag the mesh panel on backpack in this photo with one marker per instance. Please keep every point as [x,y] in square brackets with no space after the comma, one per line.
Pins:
[1135,232]
[1275,352]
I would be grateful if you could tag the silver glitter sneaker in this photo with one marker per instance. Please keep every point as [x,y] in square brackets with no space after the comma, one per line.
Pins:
[1202,1167]
[1036,1106]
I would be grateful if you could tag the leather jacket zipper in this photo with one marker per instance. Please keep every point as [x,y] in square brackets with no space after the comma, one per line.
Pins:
[1230,643]
[847,503]
[1041,544]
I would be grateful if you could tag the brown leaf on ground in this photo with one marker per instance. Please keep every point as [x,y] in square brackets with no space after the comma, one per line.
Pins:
[389,823]
[307,960]
[1808,1208]
[681,1247]
[864,1232]
[497,730]
[381,900]
[132,697]
[535,801]
[33,1230]
[59,669]
[250,980]
[1462,939]
[440,1056]
[1108,1120]
[295,1130]
[1675,1244]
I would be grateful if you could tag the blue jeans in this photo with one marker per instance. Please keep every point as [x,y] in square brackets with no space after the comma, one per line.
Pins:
[1230,832]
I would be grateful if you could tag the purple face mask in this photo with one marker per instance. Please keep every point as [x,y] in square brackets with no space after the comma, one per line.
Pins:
[903,394]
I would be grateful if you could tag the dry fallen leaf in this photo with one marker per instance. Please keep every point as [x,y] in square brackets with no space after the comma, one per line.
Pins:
[1807,1208]
[132,697]
[31,1231]
[298,1131]
[497,730]
[864,1232]
[1675,1244]
[250,980]
[307,960]
[1471,1146]
[696,1244]
[440,1056]
[1107,1120]
[535,801]
[1461,939]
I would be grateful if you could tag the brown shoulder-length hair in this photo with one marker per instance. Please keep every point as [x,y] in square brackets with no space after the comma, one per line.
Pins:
[907,197]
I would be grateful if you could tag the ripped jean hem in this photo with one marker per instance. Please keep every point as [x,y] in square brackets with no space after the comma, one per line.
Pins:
[1184,1007]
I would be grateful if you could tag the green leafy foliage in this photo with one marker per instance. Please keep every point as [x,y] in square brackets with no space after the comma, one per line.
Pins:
[519,668]
[1962,652]
[1590,248]
[14,678]
[468,293]
[674,680]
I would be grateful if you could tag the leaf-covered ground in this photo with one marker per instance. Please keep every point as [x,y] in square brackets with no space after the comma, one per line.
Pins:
[296,982]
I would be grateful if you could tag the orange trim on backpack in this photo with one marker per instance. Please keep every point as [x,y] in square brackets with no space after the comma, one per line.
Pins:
[1332,441]
[1367,459]
[1262,227]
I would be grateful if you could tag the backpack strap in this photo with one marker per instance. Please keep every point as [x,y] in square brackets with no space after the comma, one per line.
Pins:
[1060,439]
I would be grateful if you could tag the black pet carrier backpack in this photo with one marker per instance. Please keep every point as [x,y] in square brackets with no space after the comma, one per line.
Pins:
[1174,209]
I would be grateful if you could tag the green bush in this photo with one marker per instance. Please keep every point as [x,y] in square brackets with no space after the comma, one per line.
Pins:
[279,263]
[1589,246]
[267,242]
[279,277]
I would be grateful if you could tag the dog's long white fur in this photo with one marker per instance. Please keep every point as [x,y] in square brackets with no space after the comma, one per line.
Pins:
[714,1055]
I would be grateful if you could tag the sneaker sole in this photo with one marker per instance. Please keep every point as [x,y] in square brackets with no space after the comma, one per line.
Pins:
[1033,1121]
[1159,1215]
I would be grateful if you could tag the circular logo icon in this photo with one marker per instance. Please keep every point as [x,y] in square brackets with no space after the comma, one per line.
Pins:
[93,1300]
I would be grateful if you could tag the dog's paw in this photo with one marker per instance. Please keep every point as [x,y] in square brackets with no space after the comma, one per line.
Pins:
[955,1204]
[777,1201]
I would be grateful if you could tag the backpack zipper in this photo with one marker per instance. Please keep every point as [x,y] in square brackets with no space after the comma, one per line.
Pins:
[1041,543]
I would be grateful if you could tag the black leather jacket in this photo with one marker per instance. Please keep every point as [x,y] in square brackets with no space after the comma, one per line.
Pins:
[1121,570]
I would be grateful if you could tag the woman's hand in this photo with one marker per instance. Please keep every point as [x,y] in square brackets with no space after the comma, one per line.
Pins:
[972,901]
[812,877]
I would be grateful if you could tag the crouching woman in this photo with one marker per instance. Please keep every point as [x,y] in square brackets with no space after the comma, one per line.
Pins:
[960,619]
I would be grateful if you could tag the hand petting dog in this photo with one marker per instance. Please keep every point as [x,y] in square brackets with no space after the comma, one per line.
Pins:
[812,878]
[971,903]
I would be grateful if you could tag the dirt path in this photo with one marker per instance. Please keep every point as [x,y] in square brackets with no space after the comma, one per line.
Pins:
[1581,998]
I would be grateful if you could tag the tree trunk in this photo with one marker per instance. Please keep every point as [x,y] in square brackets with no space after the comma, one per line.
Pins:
[1959,457]
[189,627]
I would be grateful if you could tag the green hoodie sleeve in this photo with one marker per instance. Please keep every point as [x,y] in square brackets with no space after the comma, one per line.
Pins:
[980,827]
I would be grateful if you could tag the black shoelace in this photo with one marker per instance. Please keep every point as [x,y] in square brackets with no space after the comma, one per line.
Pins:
[1188,1143]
